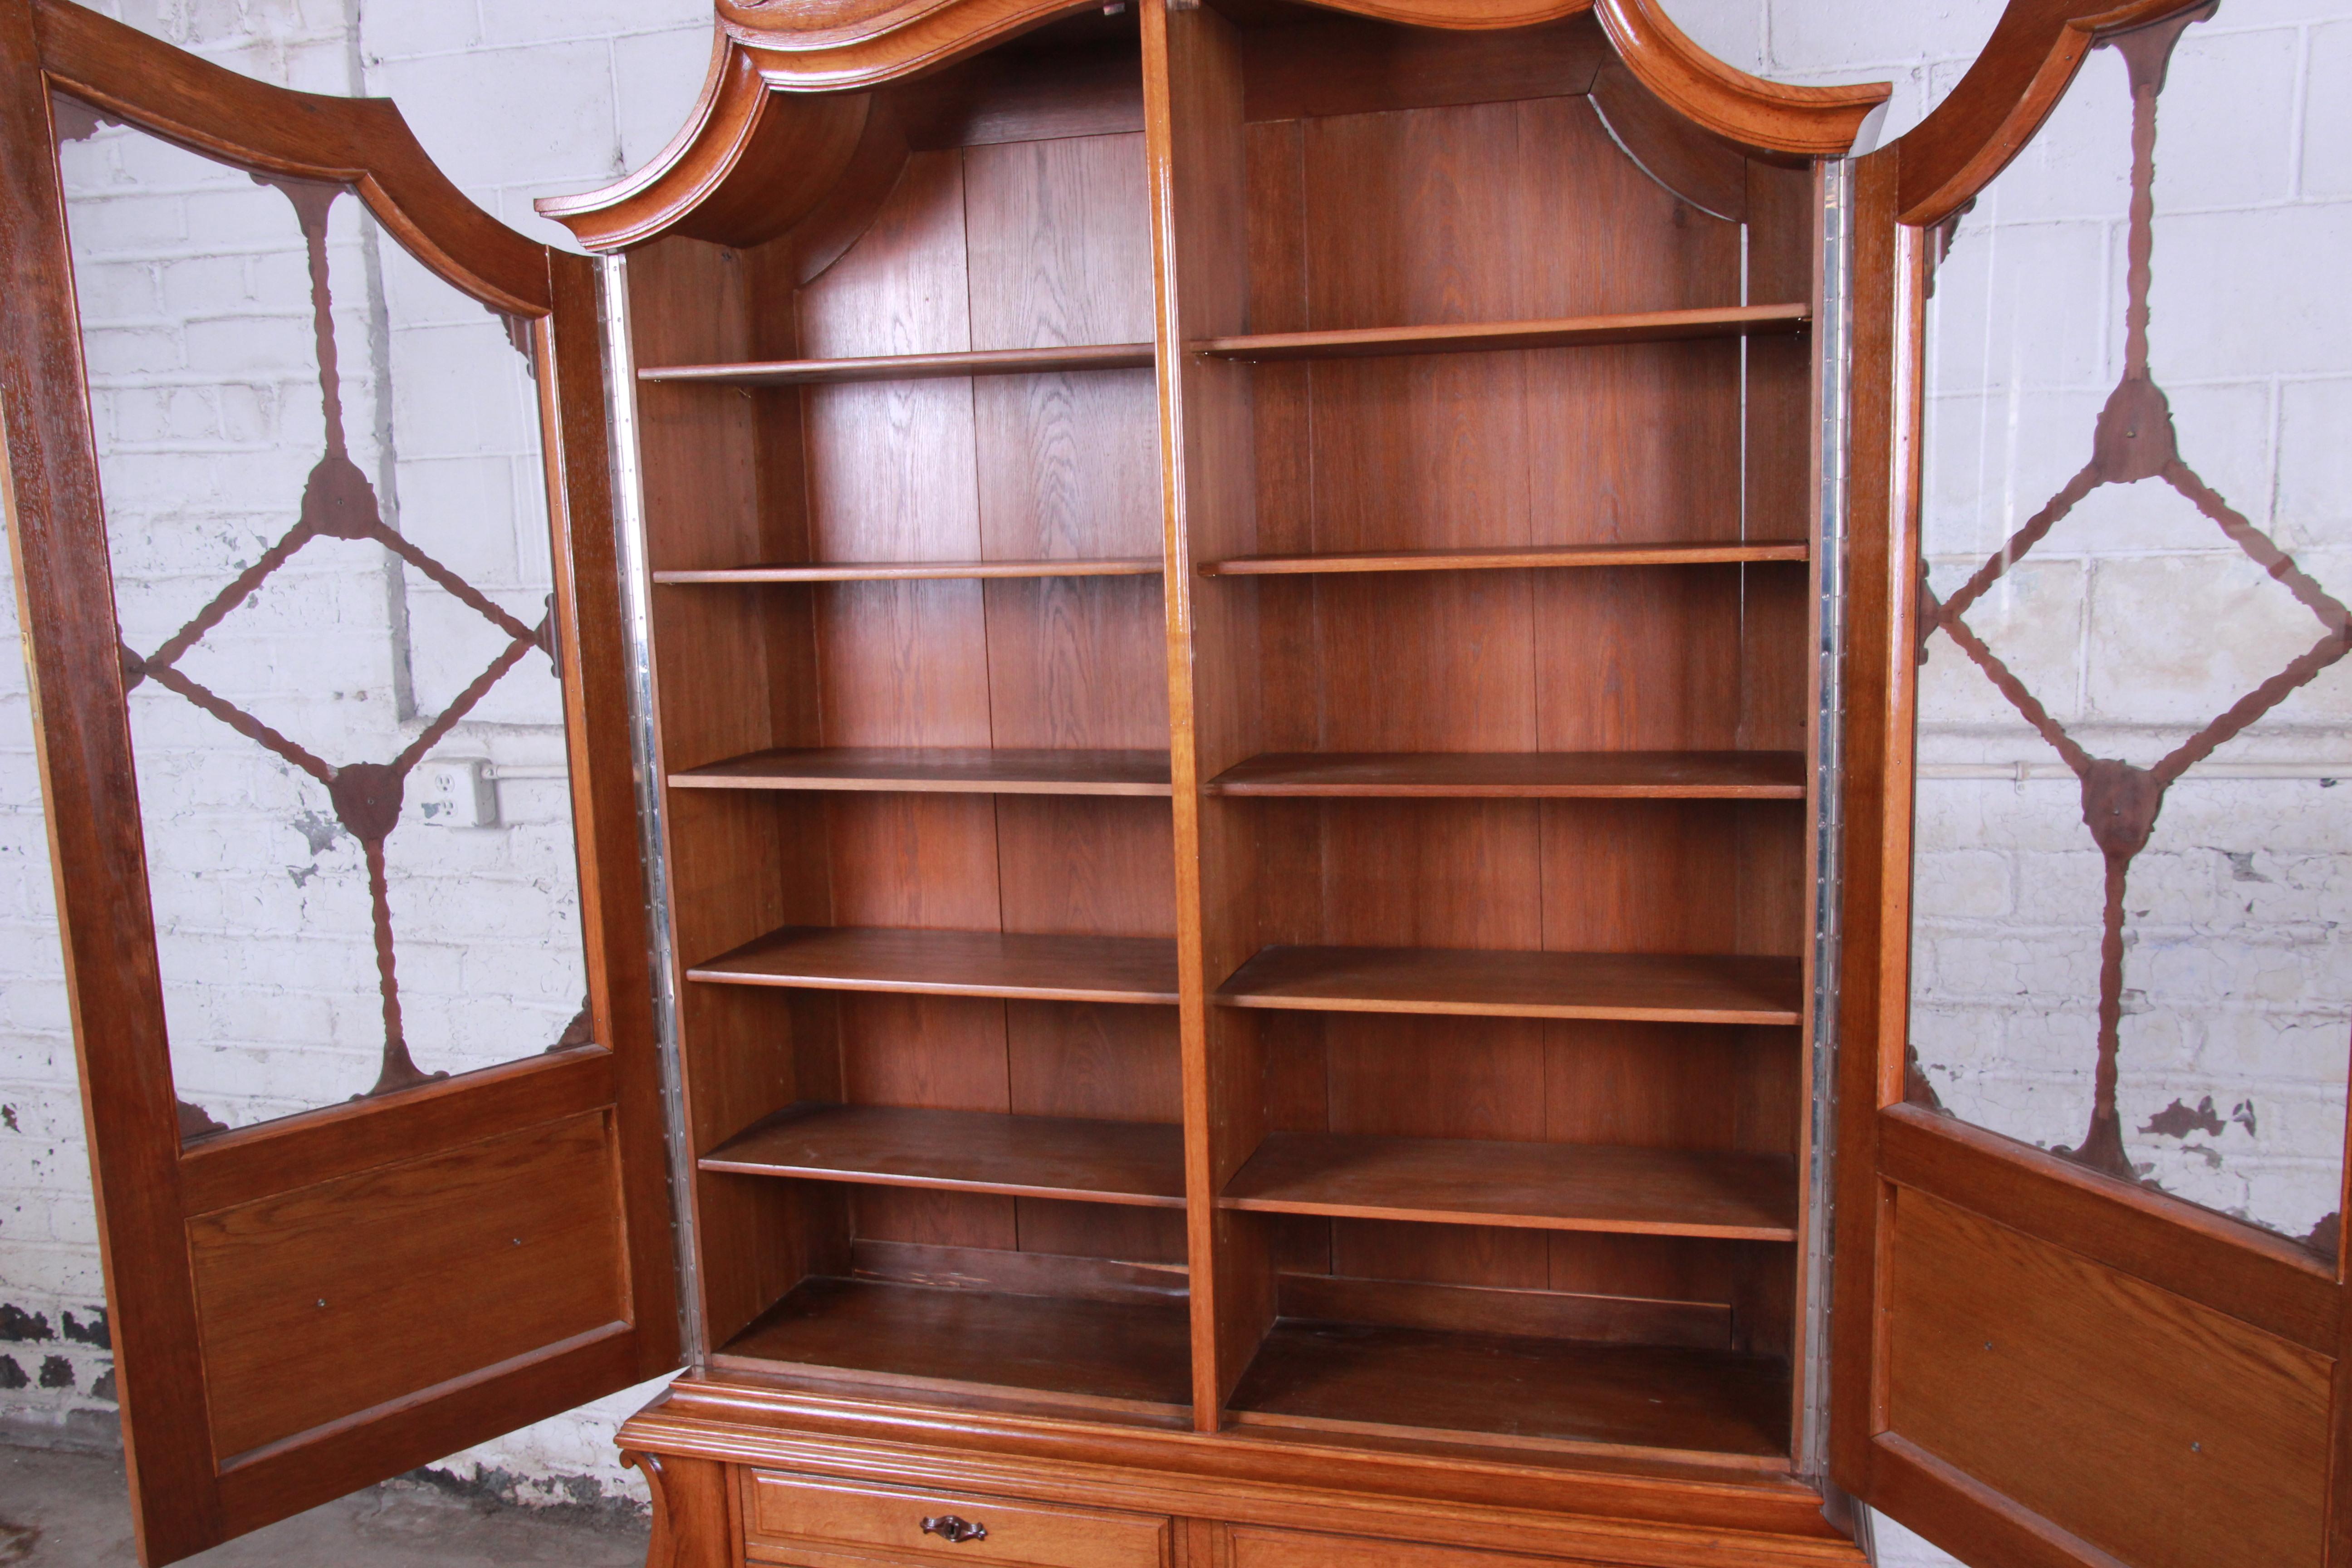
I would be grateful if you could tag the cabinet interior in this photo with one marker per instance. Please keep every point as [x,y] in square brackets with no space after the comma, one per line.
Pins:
[1491,819]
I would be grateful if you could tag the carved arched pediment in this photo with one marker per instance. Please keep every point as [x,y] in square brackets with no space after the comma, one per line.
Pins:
[789,101]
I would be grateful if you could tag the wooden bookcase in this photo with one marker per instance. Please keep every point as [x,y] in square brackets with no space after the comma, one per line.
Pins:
[1233,613]
[1223,612]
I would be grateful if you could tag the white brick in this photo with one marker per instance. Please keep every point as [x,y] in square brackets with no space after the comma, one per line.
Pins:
[658,75]
[497,119]
[2224,124]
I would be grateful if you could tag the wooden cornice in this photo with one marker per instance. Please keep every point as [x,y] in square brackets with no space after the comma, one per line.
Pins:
[2022,71]
[783,96]
[1762,117]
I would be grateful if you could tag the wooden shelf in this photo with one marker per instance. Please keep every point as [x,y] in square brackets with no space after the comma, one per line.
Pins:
[1509,558]
[1646,987]
[1532,1186]
[938,771]
[1566,332]
[1520,775]
[910,571]
[1140,1164]
[953,963]
[907,367]
[1126,1355]
[1516,1390]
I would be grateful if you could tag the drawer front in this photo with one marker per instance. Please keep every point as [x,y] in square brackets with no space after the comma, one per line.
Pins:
[783,1513]
[1289,1549]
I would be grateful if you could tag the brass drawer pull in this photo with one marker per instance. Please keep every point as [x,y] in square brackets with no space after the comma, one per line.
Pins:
[954,1531]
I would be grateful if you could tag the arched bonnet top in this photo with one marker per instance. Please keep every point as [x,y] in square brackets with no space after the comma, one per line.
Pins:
[787,104]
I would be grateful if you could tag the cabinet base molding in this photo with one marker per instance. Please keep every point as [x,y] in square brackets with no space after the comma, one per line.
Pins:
[796,1474]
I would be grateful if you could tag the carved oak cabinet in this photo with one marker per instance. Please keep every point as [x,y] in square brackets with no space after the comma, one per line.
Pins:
[1239,680]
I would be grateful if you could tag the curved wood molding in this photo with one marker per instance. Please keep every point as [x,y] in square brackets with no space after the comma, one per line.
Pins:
[1764,117]
[2023,71]
[362,143]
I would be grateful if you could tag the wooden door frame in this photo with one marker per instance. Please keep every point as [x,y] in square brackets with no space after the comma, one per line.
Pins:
[1902,194]
[147,1183]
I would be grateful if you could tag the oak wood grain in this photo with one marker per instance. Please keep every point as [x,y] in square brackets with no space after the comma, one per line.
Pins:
[2047,1377]
[1037,1156]
[1515,557]
[907,367]
[1540,1186]
[348,1276]
[1127,1355]
[1631,327]
[1543,1314]
[953,963]
[909,571]
[1516,1390]
[1659,988]
[1519,776]
[969,770]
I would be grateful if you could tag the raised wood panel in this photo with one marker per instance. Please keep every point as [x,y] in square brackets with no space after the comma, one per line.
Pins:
[320,1303]
[2049,1378]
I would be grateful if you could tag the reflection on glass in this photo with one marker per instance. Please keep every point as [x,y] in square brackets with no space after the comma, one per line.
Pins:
[326,512]
[2132,876]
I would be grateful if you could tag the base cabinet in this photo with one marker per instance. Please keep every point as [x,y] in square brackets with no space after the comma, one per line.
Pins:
[743,1476]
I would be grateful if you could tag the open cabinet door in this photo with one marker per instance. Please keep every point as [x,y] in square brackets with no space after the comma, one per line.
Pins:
[2089,1275]
[307,479]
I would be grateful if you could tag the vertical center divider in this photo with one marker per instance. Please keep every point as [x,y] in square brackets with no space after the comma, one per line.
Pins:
[1199,244]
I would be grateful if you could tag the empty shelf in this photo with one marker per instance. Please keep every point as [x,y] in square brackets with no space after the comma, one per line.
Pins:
[1517,1390]
[1124,1354]
[937,769]
[1645,988]
[1507,558]
[953,963]
[907,367]
[1535,1186]
[965,1150]
[911,570]
[1636,327]
[1520,775]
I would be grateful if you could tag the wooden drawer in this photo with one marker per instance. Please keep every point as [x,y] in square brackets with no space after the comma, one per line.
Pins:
[786,1514]
[1254,1548]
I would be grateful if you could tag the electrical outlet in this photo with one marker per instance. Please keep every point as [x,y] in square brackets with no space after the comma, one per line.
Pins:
[456,795]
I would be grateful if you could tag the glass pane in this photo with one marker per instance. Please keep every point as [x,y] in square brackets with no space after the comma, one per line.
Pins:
[2134,863]
[328,522]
